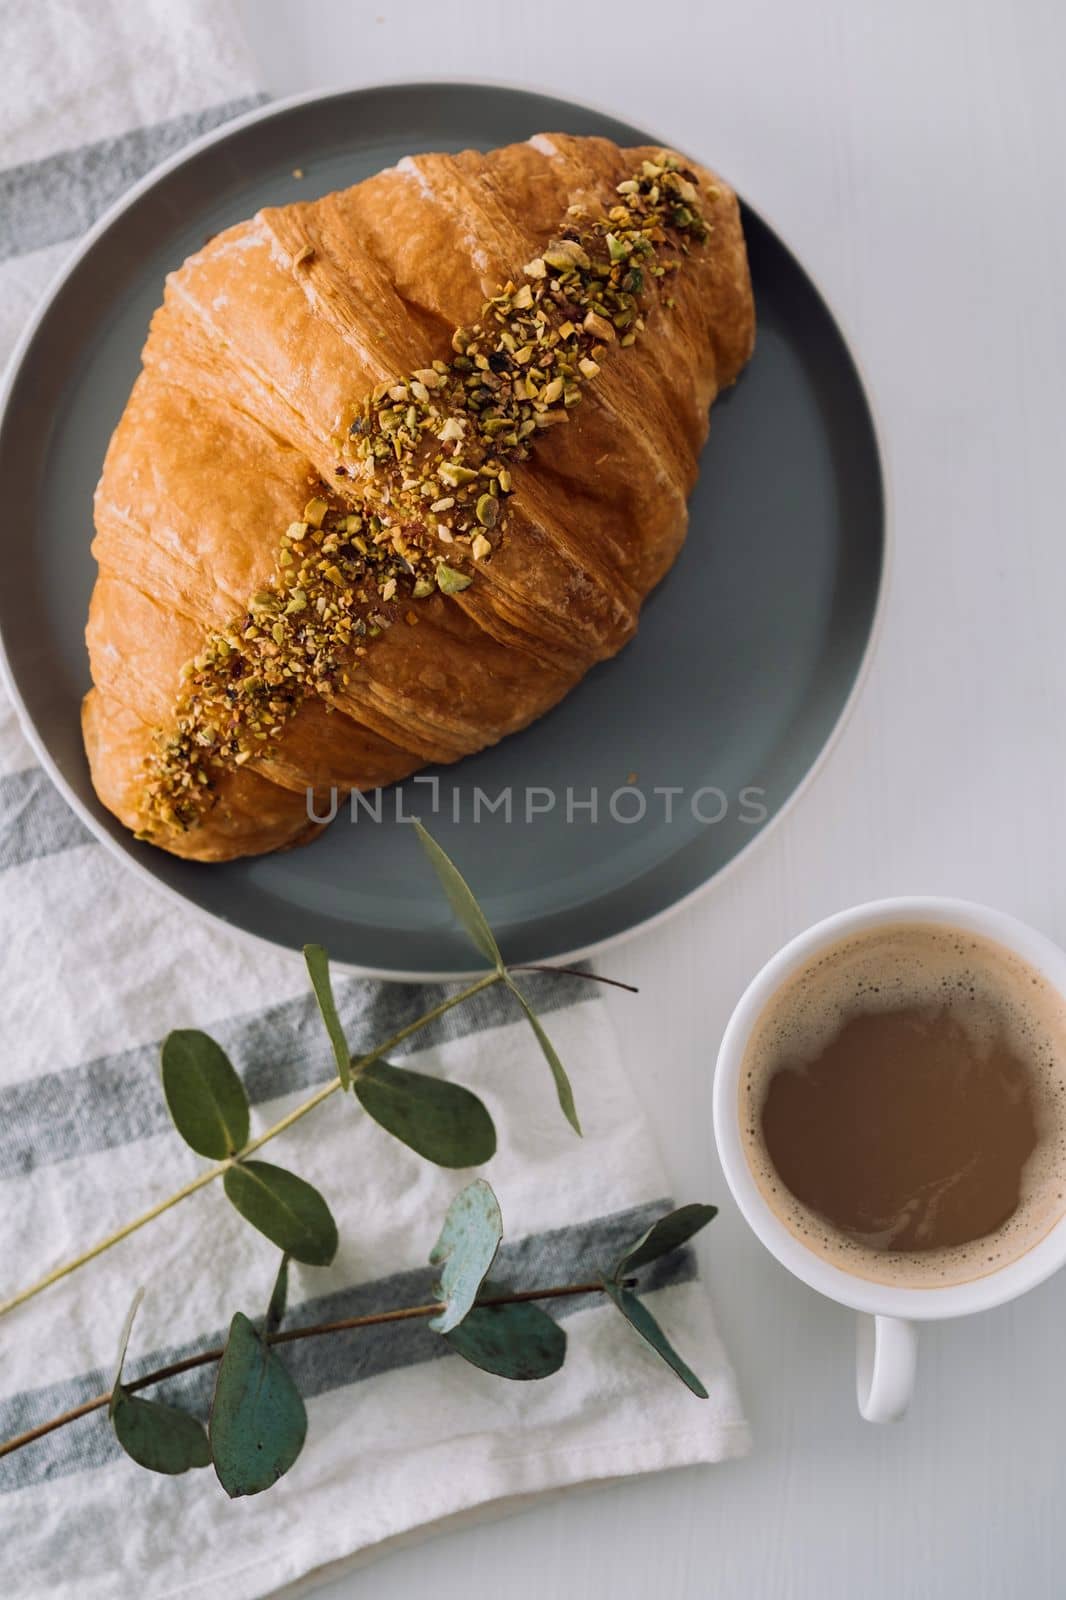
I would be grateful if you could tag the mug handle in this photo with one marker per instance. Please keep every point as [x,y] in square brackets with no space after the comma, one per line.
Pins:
[886,1360]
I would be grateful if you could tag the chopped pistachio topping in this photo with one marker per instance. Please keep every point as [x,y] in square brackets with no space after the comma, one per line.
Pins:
[428,458]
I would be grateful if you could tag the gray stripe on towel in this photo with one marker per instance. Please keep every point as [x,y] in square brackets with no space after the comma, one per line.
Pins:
[572,1254]
[35,820]
[61,196]
[117,1098]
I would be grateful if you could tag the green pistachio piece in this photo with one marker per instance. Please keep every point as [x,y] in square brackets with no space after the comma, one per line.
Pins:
[487,511]
[451,582]
[455,475]
[565,255]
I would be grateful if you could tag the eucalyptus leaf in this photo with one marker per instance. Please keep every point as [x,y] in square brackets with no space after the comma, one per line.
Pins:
[291,1213]
[204,1095]
[318,967]
[461,898]
[466,1249]
[442,1121]
[123,1345]
[156,1436]
[279,1299]
[159,1437]
[558,1071]
[639,1317]
[668,1233]
[258,1421]
[518,1341]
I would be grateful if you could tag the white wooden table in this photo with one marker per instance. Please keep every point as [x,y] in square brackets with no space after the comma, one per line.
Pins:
[912,154]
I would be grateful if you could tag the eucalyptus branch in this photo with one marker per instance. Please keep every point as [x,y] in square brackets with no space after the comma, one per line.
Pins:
[315,1330]
[258,1419]
[222,1167]
[219,1170]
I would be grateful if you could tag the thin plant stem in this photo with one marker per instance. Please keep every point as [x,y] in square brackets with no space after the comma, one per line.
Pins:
[288,1336]
[211,1173]
[67,1267]
[575,972]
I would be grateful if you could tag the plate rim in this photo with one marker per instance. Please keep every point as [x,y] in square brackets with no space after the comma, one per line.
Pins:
[277,107]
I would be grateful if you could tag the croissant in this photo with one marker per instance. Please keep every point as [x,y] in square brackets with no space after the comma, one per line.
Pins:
[401,464]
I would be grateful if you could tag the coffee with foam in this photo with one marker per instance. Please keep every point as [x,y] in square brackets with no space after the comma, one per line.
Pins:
[903,1105]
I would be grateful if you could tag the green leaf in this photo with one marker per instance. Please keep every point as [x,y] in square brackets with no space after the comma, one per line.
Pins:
[442,1121]
[291,1213]
[159,1437]
[123,1345]
[668,1233]
[640,1318]
[466,1249]
[204,1095]
[156,1436]
[258,1421]
[562,1082]
[468,913]
[518,1341]
[279,1298]
[318,967]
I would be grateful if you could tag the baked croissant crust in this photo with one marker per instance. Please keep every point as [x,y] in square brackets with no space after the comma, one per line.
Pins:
[340,533]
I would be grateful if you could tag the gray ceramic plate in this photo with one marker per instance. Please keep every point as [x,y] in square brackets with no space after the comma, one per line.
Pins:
[747,654]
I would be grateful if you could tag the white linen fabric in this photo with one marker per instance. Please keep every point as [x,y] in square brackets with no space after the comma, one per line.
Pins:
[403,1435]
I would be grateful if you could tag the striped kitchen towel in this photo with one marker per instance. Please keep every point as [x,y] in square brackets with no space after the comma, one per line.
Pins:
[402,1434]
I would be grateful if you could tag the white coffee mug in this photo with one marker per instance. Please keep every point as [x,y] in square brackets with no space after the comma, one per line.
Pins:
[887,1337]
